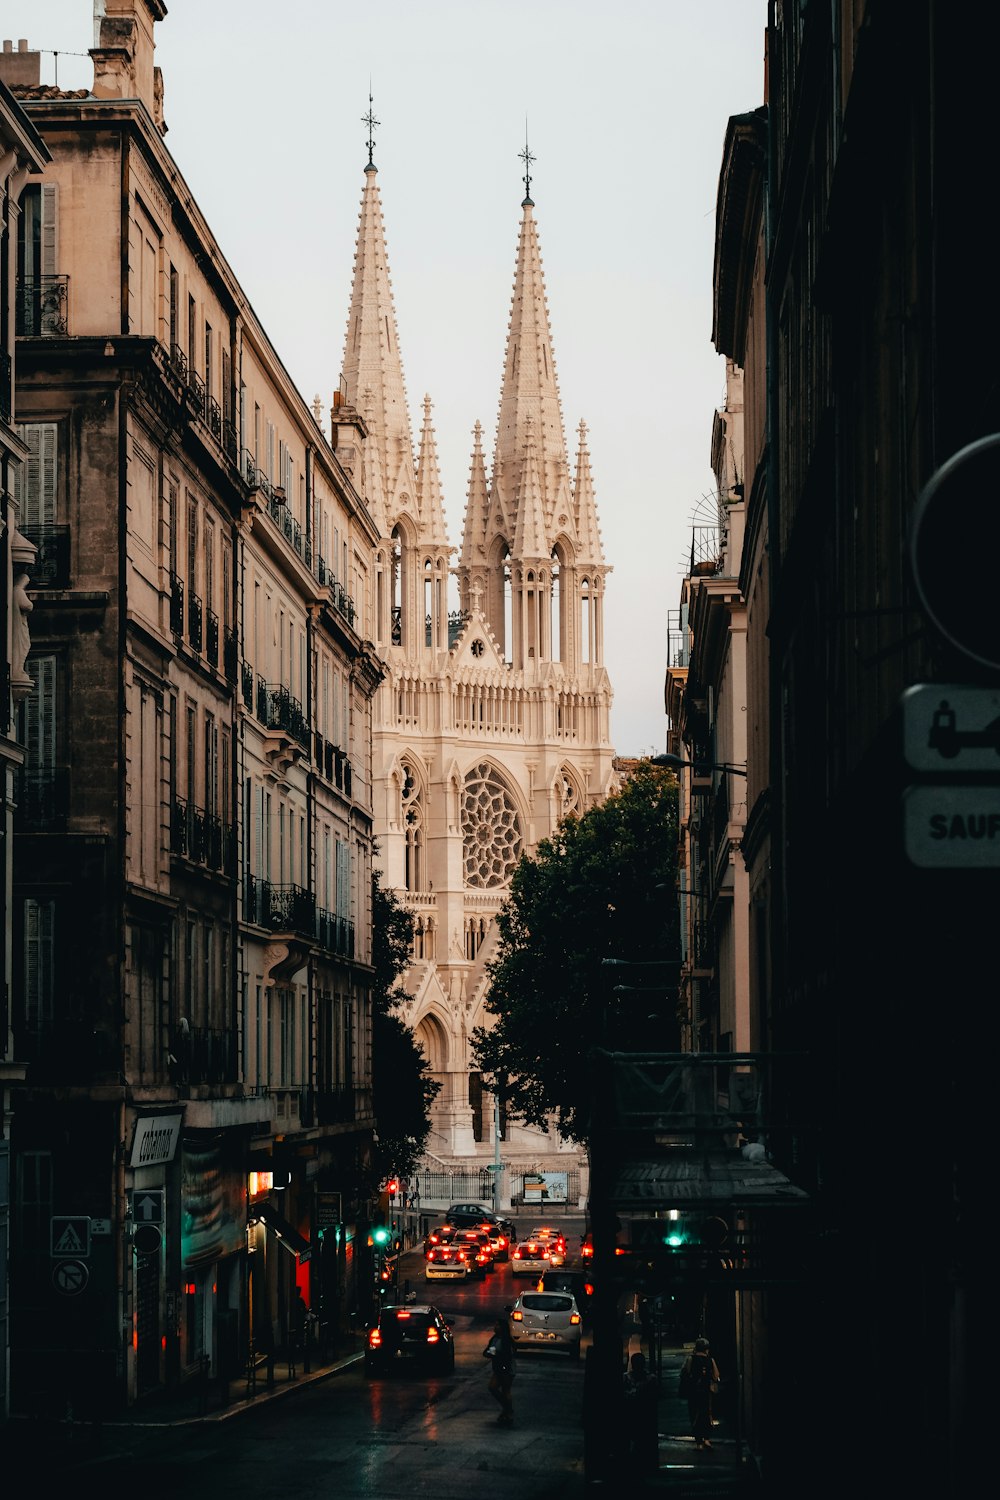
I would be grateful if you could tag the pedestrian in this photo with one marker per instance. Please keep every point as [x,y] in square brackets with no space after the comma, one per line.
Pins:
[500,1350]
[699,1383]
[640,1393]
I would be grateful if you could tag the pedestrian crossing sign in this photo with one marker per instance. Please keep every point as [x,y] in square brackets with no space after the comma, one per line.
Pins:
[70,1235]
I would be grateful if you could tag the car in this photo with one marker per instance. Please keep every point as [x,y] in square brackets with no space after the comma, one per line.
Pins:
[446,1263]
[497,1238]
[529,1258]
[471,1214]
[440,1234]
[546,1320]
[554,1240]
[418,1335]
[477,1248]
[580,1283]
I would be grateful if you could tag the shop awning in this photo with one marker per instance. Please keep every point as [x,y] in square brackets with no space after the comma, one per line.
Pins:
[700,1179]
[284,1232]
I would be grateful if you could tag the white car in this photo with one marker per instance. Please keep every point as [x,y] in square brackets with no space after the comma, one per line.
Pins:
[546,1320]
[529,1258]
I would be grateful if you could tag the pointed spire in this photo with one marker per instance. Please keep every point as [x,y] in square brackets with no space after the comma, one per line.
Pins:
[433,532]
[477,506]
[530,386]
[372,360]
[374,483]
[529,534]
[590,551]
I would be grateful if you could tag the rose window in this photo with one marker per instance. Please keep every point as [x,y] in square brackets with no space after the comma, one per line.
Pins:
[491,829]
[570,796]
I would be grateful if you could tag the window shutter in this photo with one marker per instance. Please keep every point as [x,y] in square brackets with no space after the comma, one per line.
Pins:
[39,737]
[36,483]
[343,881]
[39,955]
[49,240]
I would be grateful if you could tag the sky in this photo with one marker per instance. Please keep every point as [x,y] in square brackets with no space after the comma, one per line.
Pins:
[625,107]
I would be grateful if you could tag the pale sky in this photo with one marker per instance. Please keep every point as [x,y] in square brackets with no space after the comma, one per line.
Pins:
[626,107]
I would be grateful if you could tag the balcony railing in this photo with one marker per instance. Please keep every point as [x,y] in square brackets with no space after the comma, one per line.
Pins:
[50,569]
[178,360]
[335,1106]
[212,1056]
[277,709]
[194,621]
[42,306]
[280,908]
[213,417]
[176,604]
[230,655]
[201,837]
[706,551]
[247,685]
[335,934]
[212,637]
[42,799]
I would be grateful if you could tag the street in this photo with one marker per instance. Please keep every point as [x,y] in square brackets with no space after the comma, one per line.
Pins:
[395,1436]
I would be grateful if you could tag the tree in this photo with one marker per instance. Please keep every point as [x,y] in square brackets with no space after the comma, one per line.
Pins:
[602,887]
[402,1090]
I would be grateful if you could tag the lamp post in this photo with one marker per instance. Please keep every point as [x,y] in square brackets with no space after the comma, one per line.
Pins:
[673,762]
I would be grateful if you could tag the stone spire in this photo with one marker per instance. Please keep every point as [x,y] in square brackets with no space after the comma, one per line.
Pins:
[433,532]
[529,533]
[530,389]
[373,366]
[477,507]
[590,552]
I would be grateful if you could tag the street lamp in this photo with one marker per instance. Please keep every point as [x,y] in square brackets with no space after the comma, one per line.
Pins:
[675,762]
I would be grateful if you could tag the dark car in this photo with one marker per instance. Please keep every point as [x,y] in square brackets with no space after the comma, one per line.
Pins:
[471,1214]
[558,1279]
[416,1335]
[478,1248]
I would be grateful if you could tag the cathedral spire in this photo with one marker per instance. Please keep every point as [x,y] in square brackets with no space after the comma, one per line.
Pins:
[529,534]
[476,510]
[590,553]
[433,532]
[372,360]
[530,387]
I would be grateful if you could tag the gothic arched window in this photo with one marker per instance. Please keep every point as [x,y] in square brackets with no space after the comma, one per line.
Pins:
[413,821]
[492,840]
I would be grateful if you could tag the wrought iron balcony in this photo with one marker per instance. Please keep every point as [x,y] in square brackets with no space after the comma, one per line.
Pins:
[42,799]
[247,686]
[706,551]
[178,361]
[342,601]
[194,621]
[212,1056]
[277,709]
[176,604]
[335,934]
[230,444]
[230,655]
[251,478]
[201,837]
[196,389]
[50,569]
[212,637]
[213,416]
[280,908]
[42,306]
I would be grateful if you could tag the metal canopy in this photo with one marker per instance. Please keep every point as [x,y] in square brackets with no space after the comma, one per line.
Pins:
[691,1179]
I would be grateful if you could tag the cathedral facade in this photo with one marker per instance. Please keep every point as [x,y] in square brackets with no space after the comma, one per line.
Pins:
[492,722]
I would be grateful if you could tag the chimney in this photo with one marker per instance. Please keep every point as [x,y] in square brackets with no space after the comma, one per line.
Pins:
[123,56]
[21,68]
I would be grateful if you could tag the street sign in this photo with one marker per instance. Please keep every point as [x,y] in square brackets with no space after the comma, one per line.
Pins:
[147,1238]
[147,1205]
[949,727]
[70,1277]
[100,1227]
[964,487]
[952,827]
[328,1212]
[69,1234]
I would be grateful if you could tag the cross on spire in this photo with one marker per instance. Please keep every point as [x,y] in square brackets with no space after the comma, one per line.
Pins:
[370,120]
[527,157]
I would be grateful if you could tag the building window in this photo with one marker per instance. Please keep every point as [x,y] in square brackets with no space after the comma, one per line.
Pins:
[39,965]
[491,829]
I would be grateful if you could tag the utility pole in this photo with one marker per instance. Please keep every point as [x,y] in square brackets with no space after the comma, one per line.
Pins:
[496,1153]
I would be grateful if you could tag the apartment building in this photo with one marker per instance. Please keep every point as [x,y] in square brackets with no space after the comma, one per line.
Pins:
[191,919]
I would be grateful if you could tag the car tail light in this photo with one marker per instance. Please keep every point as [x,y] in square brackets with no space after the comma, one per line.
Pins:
[432,1336]
[517,1255]
[374,1339]
[574,1317]
[517,1317]
[401,1315]
[502,1242]
[588,1288]
[460,1255]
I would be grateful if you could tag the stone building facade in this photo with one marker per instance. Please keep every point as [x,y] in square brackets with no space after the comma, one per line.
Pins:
[192,909]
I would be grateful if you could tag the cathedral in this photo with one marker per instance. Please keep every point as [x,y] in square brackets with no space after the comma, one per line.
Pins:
[492,721]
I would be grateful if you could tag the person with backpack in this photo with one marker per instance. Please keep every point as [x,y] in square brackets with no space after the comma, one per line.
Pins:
[699,1383]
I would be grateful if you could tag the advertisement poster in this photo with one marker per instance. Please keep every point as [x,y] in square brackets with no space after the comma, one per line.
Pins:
[545,1187]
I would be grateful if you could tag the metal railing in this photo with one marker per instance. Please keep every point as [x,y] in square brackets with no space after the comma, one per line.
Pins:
[201,837]
[50,569]
[279,908]
[335,934]
[42,304]
[277,709]
[42,798]
[194,621]
[176,604]
[212,637]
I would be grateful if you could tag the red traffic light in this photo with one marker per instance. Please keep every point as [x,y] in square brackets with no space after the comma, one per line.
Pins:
[392,1188]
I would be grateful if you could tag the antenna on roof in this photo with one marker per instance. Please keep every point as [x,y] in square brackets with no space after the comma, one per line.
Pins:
[527,158]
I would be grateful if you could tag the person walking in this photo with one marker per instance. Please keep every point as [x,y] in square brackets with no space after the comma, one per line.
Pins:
[640,1392]
[500,1350]
[700,1382]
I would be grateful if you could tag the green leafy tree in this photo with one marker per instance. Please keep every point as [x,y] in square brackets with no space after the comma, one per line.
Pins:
[604,886]
[402,1090]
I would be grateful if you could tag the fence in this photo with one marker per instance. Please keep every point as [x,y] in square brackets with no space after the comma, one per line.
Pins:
[444,1188]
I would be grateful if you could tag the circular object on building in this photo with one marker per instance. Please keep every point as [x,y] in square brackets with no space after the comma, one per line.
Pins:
[146,1238]
[959,500]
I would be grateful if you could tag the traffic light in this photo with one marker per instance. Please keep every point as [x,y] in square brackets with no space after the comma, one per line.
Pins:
[392,1188]
[380,1236]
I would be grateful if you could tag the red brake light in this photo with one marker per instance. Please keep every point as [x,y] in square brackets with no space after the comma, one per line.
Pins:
[401,1315]
[518,1317]
[432,1336]
[517,1255]
[374,1339]
[574,1317]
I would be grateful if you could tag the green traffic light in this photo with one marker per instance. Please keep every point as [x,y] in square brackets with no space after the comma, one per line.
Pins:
[380,1235]
[674,1240]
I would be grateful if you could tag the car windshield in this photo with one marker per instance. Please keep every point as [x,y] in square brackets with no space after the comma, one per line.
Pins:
[549,1302]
